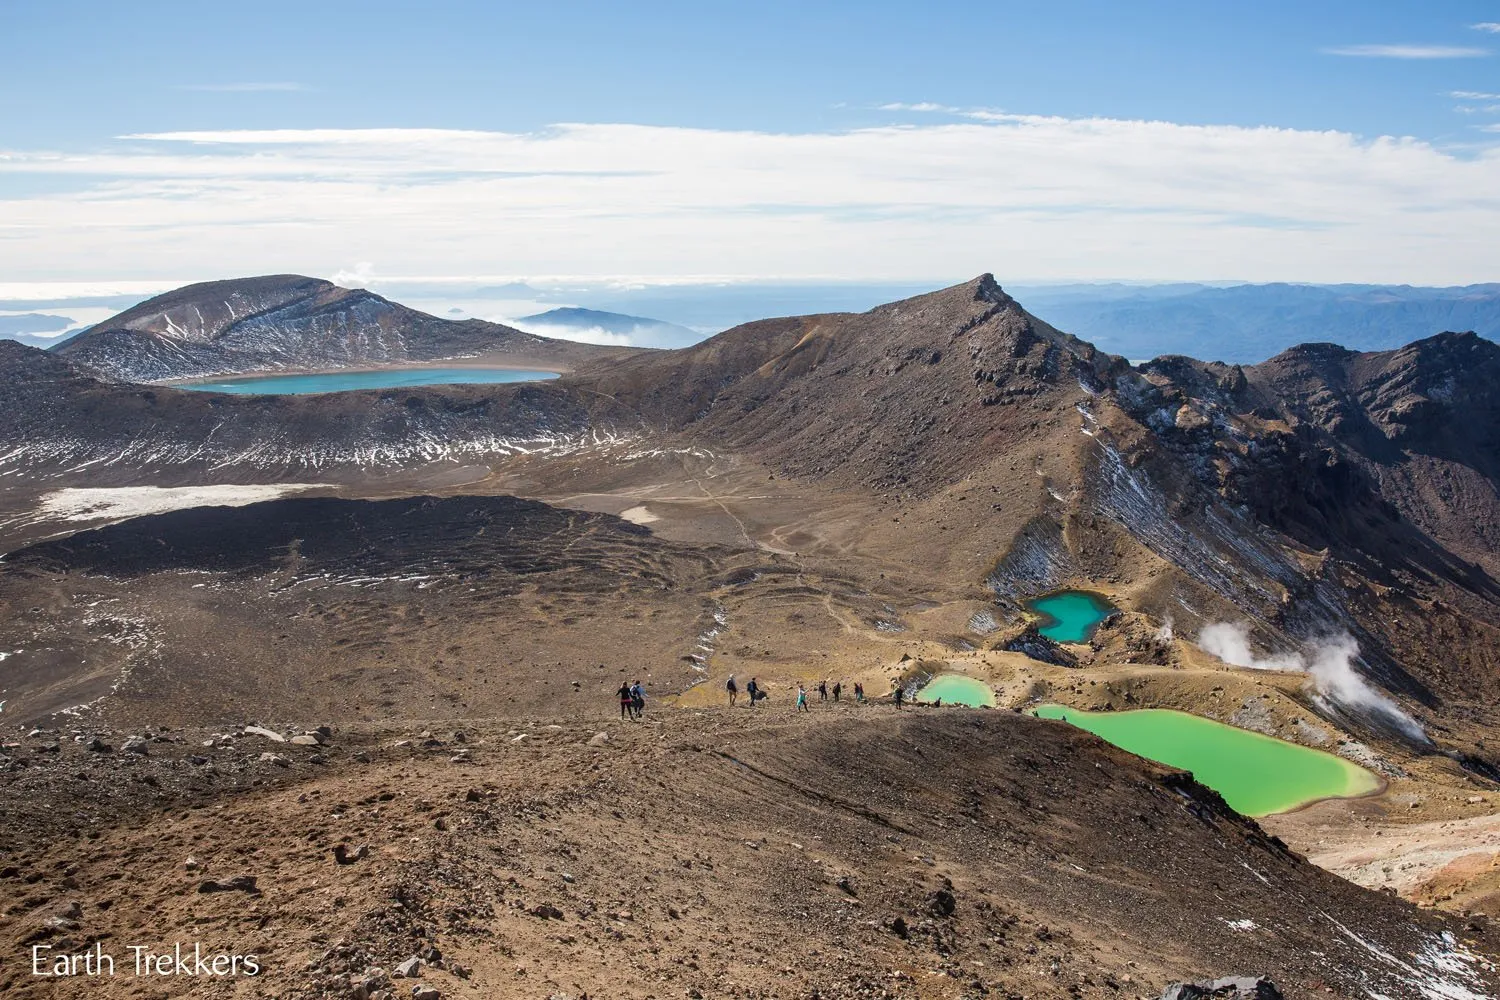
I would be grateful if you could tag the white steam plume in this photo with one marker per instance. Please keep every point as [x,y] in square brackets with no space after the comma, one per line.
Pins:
[1331,665]
[1329,662]
[1230,642]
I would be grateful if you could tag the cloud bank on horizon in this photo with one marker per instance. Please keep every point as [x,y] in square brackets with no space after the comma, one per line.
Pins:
[1029,197]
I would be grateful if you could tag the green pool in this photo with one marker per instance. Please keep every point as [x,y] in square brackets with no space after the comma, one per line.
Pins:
[956,689]
[1257,775]
[1070,615]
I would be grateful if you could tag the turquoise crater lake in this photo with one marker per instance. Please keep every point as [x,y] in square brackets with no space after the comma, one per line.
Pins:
[1257,774]
[956,689]
[345,381]
[1070,615]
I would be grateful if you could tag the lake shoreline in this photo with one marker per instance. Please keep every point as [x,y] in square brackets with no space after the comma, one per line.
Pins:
[378,380]
[1283,778]
[471,362]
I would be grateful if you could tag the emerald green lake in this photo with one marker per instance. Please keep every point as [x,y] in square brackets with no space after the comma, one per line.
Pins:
[1257,775]
[956,689]
[1070,615]
[388,378]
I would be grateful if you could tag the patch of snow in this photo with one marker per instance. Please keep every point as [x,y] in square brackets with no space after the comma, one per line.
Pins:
[113,503]
[639,515]
[706,639]
[1441,968]
[1257,874]
[983,622]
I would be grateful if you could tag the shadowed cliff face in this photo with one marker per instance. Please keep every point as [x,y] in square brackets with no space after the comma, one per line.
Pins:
[284,322]
[1422,423]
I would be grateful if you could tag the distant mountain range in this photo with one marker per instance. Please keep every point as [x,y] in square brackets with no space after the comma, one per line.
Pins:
[596,326]
[291,322]
[1236,323]
[26,327]
[1250,323]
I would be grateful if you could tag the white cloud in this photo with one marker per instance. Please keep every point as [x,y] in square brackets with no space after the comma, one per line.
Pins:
[244,88]
[1408,51]
[928,107]
[921,106]
[1493,27]
[58,291]
[1028,197]
[361,275]
[583,335]
[1472,95]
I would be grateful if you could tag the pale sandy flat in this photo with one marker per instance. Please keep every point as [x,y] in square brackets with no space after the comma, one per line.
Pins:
[639,515]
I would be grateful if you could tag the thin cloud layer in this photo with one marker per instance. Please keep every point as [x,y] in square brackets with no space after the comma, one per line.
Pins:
[245,88]
[1408,51]
[1028,197]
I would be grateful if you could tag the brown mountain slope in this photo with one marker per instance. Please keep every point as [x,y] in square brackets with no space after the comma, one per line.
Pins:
[910,395]
[849,854]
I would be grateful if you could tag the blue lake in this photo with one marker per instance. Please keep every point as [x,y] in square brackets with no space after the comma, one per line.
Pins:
[391,378]
[1070,615]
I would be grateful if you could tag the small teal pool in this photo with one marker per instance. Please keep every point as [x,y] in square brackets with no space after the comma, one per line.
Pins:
[1070,615]
[956,689]
[390,378]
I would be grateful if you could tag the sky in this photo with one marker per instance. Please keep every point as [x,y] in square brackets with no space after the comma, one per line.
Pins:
[625,145]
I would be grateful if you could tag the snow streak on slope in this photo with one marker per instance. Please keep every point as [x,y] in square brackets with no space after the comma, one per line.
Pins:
[1228,557]
[62,456]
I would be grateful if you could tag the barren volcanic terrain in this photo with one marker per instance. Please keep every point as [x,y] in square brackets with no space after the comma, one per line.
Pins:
[453,581]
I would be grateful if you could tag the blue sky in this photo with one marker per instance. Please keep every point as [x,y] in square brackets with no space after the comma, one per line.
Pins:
[1315,141]
[80,72]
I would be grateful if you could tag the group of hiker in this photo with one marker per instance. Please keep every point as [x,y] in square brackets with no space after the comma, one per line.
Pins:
[633,695]
[632,700]
[757,692]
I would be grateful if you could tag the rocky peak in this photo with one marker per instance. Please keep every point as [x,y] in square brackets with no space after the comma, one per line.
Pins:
[202,312]
[987,289]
